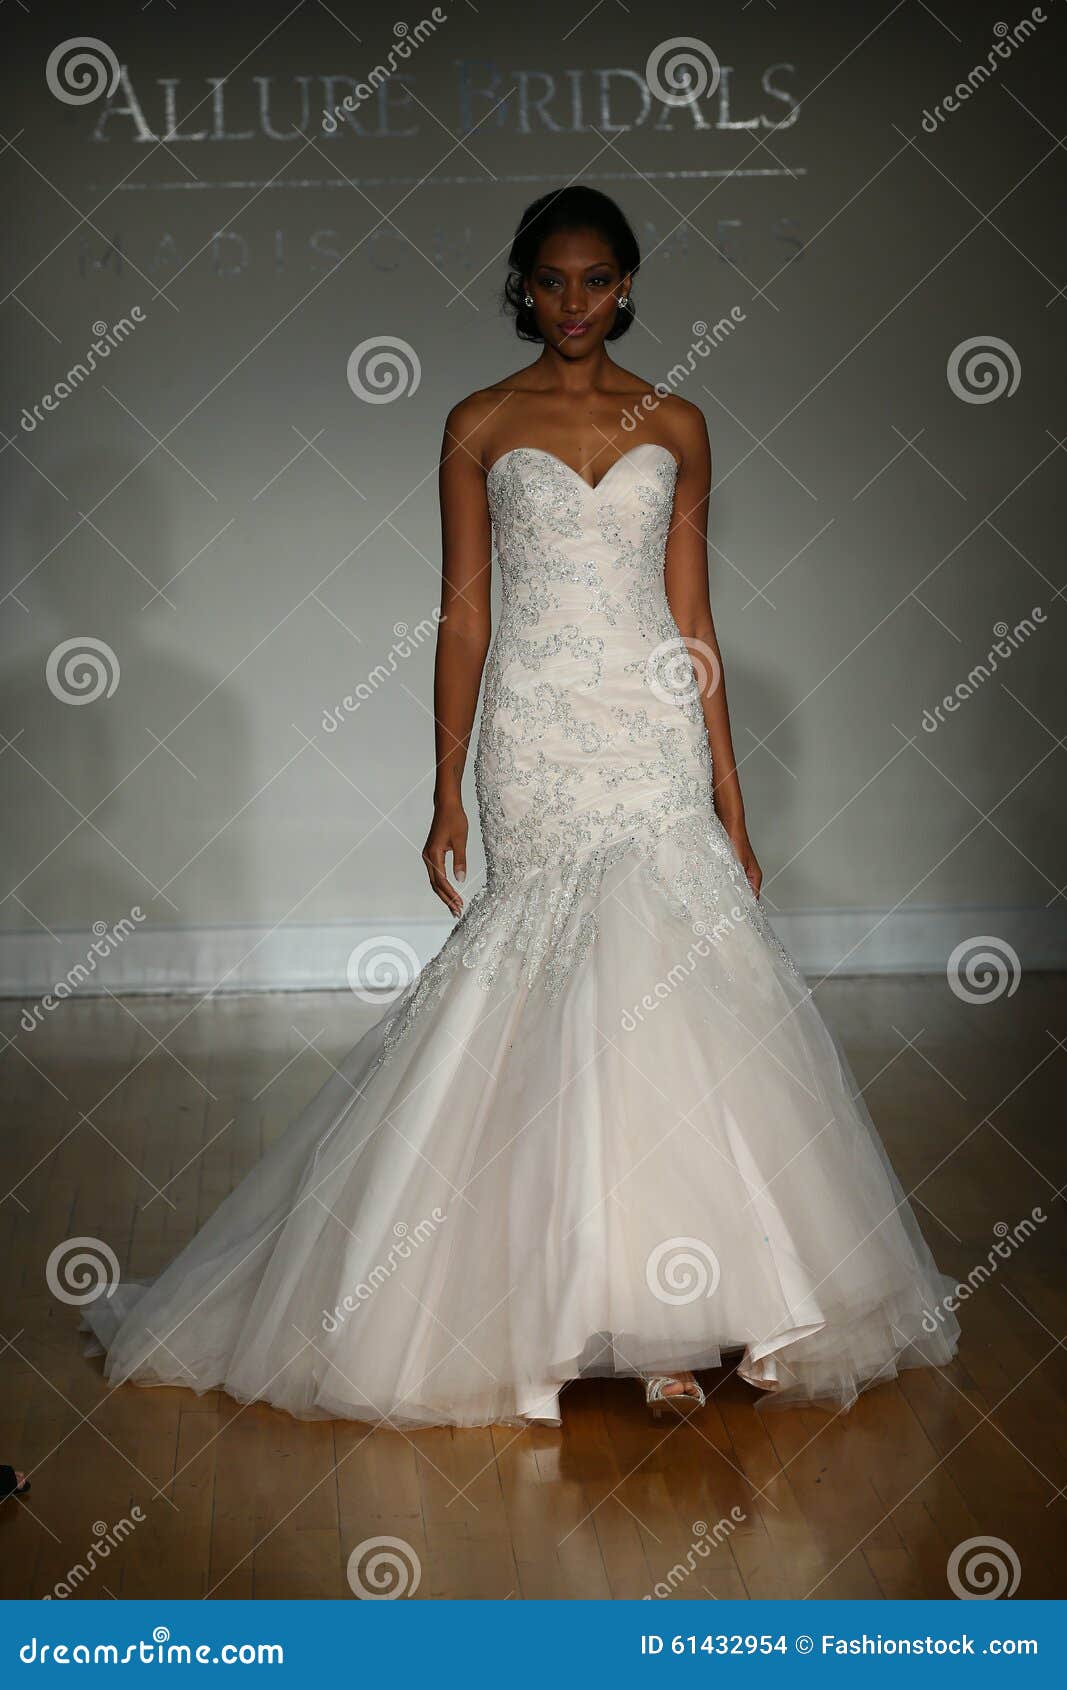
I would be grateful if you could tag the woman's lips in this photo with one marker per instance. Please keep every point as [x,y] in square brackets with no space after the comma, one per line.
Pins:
[574,328]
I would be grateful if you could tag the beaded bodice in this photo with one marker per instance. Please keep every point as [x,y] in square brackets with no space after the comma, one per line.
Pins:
[592,728]
[593,752]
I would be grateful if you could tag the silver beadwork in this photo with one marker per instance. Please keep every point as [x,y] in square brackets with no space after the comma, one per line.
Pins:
[582,760]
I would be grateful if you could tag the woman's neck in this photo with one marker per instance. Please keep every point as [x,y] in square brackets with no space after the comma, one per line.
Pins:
[575,377]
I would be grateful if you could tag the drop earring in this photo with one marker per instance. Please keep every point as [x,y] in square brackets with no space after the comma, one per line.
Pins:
[527,300]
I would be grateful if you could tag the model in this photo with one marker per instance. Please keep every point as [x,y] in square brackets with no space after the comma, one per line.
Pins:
[606,1129]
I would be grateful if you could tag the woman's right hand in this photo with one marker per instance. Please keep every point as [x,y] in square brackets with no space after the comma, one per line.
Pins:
[448,832]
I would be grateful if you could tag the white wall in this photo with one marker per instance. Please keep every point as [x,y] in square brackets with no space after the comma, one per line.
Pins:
[245,534]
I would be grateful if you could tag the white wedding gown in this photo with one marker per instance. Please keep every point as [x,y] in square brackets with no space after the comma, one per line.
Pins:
[605,1130]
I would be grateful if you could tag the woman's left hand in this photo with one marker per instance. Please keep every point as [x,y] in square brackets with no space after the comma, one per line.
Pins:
[745,855]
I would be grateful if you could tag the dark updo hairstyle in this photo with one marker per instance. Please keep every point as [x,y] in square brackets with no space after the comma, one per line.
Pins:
[574,207]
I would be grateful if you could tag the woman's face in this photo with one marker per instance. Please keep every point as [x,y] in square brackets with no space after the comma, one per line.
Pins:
[575,285]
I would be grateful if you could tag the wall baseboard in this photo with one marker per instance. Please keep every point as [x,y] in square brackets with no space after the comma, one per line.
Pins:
[316,956]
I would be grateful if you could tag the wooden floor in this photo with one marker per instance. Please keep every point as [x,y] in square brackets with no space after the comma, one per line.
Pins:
[110,1101]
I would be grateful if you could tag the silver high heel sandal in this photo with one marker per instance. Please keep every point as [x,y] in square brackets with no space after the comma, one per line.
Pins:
[686,1401]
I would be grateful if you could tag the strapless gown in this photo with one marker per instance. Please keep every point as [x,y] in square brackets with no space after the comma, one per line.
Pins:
[605,1130]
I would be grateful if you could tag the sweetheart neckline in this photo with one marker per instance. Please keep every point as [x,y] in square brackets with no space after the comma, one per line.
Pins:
[591,487]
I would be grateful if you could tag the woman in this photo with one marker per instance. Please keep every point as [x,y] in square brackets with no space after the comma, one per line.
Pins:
[605,1131]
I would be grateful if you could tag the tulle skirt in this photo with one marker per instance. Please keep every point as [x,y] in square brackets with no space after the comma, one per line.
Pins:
[606,1132]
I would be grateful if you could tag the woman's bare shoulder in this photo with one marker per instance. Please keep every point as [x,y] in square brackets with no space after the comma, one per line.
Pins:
[686,423]
[681,421]
[473,420]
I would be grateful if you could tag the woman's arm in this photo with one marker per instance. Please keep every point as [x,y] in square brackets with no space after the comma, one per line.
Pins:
[686,581]
[463,637]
